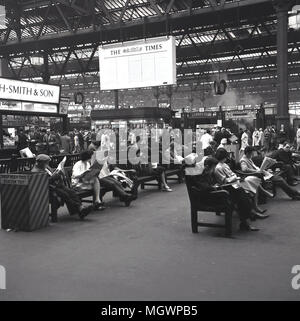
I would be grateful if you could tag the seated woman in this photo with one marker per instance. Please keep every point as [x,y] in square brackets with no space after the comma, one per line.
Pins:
[224,175]
[59,192]
[251,184]
[206,182]
[248,166]
[80,183]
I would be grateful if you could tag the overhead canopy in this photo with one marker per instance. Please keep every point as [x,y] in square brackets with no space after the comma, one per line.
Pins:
[235,38]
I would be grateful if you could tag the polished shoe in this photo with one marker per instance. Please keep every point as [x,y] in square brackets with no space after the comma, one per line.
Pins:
[261,216]
[128,199]
[248,228]
[294,183]
[85,211]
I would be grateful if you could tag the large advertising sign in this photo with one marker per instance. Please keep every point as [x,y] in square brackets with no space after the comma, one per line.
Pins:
[135,64]
[29,91]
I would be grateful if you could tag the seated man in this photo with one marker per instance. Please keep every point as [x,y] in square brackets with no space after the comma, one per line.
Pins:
[136,156]
[79,182]
[59,193]
[248,166]
[284,155]
[115,179]
[206,183]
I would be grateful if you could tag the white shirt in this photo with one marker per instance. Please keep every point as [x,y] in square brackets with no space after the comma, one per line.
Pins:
[205,140]
[298,134]
[244,141]
[255,138]
[79,168]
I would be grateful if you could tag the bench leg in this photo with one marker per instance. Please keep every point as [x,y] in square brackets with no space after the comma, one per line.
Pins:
[228,223]
[194,220]
[142,186]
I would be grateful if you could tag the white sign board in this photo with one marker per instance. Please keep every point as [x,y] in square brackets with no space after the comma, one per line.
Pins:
[9,105]
[135,64]
[29,91]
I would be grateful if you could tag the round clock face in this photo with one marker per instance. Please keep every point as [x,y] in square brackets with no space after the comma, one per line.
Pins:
[79,98]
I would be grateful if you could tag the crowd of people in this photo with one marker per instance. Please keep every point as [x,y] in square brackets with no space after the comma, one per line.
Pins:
[244,179]
[54,142]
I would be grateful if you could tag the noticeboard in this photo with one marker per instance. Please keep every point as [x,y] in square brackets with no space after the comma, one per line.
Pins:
[136,64]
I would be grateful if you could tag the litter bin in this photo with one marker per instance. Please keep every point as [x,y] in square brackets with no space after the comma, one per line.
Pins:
[24,201]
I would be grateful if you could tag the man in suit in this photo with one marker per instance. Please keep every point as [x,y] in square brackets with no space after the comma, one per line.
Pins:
[248,166]
[284,155]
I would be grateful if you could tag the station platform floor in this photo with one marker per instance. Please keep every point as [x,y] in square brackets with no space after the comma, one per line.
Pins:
[147,252]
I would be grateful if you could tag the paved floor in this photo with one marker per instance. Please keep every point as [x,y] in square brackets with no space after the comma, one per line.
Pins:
[147,252]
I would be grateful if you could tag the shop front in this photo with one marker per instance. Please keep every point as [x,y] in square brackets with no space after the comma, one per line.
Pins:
[133,118]
[28,107]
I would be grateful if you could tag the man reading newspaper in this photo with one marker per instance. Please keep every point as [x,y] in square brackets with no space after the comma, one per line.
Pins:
[59,193]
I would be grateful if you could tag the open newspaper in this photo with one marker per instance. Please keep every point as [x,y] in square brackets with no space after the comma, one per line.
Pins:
[266,164]
[92,172]
[60,166]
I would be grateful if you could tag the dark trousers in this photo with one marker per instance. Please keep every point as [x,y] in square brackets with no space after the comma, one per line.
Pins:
[279,181]
[114,185]
[289,173]
[68,196]
[242,200]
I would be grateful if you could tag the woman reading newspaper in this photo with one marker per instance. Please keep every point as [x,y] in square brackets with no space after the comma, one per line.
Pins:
[224,175]
[85,177]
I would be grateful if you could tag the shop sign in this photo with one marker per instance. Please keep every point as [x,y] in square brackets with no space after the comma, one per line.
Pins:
[29,91]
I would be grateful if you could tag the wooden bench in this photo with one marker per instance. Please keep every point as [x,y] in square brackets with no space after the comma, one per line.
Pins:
[197,205]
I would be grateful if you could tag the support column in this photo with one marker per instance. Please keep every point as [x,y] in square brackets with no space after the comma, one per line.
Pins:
[65,123]
[6,73]
[1,131]
[282,7]
[4,69]
[116,92]
[46,74]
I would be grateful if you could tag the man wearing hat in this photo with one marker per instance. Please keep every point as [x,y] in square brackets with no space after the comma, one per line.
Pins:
[59,193]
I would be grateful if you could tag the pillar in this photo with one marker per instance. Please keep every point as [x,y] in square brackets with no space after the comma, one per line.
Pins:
[5,73]
[46,74]
[4,69]
[282,7]
[116,92]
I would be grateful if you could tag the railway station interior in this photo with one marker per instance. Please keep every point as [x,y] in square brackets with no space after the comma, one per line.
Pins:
[149,150]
